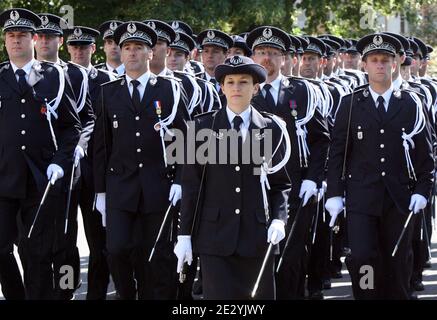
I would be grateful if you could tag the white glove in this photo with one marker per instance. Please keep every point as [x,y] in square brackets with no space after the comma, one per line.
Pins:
[334,206]
[175,193]
[322,190]
[276,231]
[307,190]
[183,251]
[79,153]
[101,206]
[417,203]
[54,172]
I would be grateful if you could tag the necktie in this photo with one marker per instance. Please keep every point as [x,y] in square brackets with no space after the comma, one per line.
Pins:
[22,83]
[136,100]
[269,98]
[381,108]
[237,121]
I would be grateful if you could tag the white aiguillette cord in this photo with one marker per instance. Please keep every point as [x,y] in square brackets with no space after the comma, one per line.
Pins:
[196,97]
[163,124]
[53,105]
[419,125]
[301,132]
[265,167]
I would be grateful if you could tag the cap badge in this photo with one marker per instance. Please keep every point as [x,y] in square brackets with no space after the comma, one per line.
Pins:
[210,35]
[177,38]
[113,25]
[15,15]
[131,28]
[175,25]
[236,60]
[77,32]
[267,33]
[44,20]
[377,40]
[151,24]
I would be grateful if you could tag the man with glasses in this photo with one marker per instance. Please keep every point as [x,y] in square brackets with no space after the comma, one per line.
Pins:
[292,99]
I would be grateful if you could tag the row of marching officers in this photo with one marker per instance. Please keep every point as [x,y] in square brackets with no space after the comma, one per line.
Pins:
[379,158]
[74,135]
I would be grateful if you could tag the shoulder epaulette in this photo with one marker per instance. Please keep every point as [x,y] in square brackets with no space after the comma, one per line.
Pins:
[109,73]
[114,81]
[299,80]
[200,79]
[50,63]
[204,114]
[198,74]
[183,73]
[4,66]
[76,65]
[272,117]
[355,92]
[410,91]
[169,78]
[315,81]
[267,114]
[364,86]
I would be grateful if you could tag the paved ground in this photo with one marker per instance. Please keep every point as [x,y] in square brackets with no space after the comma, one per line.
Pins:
[341,288]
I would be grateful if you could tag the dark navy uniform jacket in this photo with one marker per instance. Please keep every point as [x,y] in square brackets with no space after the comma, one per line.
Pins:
[231,217]
[128,156]
[375,159]
[26,144]
[293,93]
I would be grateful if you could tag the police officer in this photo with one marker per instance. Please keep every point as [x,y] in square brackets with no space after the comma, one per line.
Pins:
[327,96]
[422,227]
[291,56]
[179,56]
[299,50]
[194,66]
[215,45]
[374,128]
[49,40]
[294,100]
[130,166]
[338,70]
[166,36]
[40,130]
[239,47]
[112,50]
[351,56]
[81,51]
[231,228]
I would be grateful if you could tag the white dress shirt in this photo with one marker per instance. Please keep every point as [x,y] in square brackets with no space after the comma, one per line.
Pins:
[141,87]
[245,115]
[274,90]
[26,68]
[119,70]
[386,95]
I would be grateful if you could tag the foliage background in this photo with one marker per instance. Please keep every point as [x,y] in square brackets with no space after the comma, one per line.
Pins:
[340,17]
